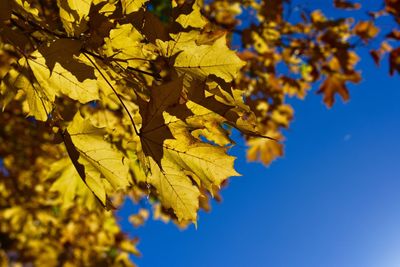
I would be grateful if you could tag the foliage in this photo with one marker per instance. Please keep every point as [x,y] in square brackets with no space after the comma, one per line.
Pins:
[105,100]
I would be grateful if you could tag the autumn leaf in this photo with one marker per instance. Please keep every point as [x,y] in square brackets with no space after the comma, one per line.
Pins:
[203,60]
[366,30]
[140,218]
[50,71]
[179,164]
[137,100]
[392,6]
[130,6]
[70,185]
[103,168]
[74,15]
[200,61]
[331,86]
[25,7]
[39,100]
[195,19]
[282,115]
[126,44]
[265,150]
[61,67]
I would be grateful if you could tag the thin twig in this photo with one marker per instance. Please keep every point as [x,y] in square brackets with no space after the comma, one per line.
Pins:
[115,92]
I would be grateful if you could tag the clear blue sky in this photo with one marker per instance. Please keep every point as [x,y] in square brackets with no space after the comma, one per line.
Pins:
[332,201]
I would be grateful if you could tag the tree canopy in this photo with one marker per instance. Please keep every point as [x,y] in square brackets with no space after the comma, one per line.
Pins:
[108,100]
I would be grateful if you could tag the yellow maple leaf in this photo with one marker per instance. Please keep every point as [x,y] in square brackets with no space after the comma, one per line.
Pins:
[126,44]
[179,164]
[265,150]
[39,99]
[103,168]
[61,68]
[74,15]
[194,19]
[26,7]
[200,61]
[69,185]
[130,6]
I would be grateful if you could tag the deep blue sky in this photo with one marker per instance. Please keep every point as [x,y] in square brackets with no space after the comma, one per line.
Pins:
[332,201]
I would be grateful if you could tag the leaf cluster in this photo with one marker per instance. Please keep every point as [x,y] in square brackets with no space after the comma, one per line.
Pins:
[108,100]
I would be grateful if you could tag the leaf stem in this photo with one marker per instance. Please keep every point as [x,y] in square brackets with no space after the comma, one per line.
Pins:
[115,92]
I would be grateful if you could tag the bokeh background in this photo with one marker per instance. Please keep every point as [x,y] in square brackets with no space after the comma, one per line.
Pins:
[333,200]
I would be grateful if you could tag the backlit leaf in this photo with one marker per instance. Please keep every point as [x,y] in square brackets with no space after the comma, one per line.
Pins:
[74,15]
[200,61]
[70,186]
[61,68]
[104,168]
[39,99]
[130,6]
[179,164]
[126,44]
[195,19]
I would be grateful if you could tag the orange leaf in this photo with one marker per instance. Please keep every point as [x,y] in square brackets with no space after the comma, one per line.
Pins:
[330,87]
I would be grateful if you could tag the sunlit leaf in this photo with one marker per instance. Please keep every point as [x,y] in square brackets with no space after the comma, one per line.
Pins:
[102,167]
[201,61]
[130,6]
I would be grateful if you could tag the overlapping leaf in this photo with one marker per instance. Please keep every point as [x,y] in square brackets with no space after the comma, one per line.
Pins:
[203,60]
[39,100]
[125,43]
[130,6]
[179,164]
[103,168]
[61,67]
[265,150]
[168,90]
[53,70]
[195,19]
[74,15]
[70,186]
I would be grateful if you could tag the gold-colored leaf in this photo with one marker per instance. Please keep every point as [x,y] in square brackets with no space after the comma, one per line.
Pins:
[265,150]
[130,6]
[70,186]
[126,44]
[39,99]
[366,30]
[74,15]
[102,167]
[195,19]
[179,163]
[60,67]
[200,61]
